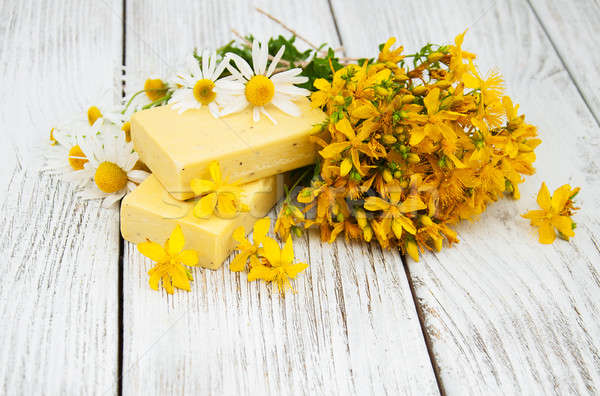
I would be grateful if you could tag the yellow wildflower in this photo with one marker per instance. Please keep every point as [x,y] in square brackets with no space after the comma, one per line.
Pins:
[216,194]
[554,214]
[279,266]
[288,219]
[247,248]
[170,261]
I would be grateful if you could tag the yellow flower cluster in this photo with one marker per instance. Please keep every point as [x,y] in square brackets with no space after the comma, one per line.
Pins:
[410,148]
[263,258]
[555,213]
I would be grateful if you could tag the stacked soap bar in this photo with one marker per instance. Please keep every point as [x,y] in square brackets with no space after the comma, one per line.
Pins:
[178,147]
[150,213]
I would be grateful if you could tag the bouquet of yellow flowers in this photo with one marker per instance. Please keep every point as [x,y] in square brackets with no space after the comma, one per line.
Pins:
[412,145]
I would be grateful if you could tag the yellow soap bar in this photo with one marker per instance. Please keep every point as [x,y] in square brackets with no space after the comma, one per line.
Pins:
[150,213]
[178,147]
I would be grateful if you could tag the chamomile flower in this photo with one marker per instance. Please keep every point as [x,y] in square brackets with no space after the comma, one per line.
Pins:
[111,166]
[257,86]
[65,157]
[144,89]
[199,85]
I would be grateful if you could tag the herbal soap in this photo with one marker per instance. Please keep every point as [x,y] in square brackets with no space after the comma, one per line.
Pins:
[178,147]
[150,213]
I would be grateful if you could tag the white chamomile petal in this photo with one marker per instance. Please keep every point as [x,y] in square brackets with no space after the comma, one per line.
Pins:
[275,61]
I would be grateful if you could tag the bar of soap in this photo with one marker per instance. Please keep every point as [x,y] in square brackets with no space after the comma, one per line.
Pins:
[150,213]
[178,147]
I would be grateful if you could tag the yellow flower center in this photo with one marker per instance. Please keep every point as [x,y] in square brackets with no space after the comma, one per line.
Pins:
[110,177]
[76,158]
[155,89]
[259,90]
[203,91]
[93,114]
[126,128]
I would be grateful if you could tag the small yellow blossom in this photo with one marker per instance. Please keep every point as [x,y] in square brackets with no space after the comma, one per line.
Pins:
[554,214]
[278,266]
[247,248]
[216,194]
[170,261]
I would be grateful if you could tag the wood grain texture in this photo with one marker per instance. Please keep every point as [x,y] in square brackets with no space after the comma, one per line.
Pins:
[59,256]
[506,314]
[352,327]
[574,30]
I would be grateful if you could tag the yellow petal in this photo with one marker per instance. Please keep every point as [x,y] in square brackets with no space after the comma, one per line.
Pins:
[215,171]
[239,261]
[167,284]
[334,149]
[239,234]
[411,204]
[413,250]
[375,203]
[201,187]
[345,127]
[564,225]
[227,205]
[179,278]
[272,252]
[397,228]
[261,228]
[345,167]
[535,214]
[560,197]
[260,272]
[153,251]
[293,270]
[154,279]
[417,135]
[175,242]
[188,257]
[321,84]
[367,110]
[543,198]
[546,233]
[287,253]
[407,224]
[432,101]
[205,206]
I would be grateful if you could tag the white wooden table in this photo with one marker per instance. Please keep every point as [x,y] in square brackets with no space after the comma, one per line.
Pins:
[497,314]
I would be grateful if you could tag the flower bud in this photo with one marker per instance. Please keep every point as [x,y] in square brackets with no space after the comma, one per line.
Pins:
[434,57]
[420,90]
[387,175]
[389,139]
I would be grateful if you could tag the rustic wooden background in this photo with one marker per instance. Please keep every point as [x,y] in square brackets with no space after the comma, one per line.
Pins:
[497,314]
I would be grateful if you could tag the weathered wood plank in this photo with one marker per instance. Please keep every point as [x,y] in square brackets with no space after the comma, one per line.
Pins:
[574,30]
[352,327]
[59,256]
[507,315]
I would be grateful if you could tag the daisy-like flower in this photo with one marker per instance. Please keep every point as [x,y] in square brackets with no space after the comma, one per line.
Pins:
[257,86]
[65,157]
[199,85]
[171,262]
[111,167]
